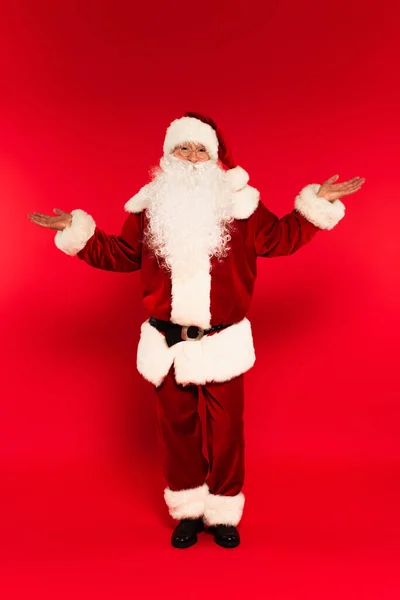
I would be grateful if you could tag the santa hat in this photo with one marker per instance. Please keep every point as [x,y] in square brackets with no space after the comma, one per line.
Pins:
[195,127]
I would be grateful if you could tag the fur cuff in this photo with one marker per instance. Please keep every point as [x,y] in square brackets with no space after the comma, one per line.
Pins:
[74,238]
[223,510]
[321,212]
[186,504]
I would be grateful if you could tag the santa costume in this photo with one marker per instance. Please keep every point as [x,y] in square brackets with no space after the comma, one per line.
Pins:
[195,232]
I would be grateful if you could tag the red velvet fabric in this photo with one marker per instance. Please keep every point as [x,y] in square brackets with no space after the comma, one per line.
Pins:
[179,426]
[232,279]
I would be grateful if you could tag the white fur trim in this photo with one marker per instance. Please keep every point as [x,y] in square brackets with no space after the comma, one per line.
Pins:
[189,129]
[139,201]
[245,202]
[223,510]
[75,237]
[237,178]
[321,212]
[244,199]
[186,504]
[154,359]
[217,357]
[191,298]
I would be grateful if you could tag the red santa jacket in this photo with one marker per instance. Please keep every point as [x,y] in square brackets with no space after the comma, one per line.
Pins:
[219,295]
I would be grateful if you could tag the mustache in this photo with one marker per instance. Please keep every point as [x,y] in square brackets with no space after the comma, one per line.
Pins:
[172,163]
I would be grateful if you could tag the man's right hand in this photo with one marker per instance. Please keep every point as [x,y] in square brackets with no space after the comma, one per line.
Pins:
[59,223]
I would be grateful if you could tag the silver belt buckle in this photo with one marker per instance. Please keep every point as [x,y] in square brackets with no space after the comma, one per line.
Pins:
[185,336]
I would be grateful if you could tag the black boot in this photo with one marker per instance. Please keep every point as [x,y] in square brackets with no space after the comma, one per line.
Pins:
[225,535]
[185,534]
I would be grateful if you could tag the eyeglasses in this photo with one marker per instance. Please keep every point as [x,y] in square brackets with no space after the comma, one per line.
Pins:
[185,151]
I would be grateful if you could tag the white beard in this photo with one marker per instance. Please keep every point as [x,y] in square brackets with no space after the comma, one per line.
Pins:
[189,213]
[189,216]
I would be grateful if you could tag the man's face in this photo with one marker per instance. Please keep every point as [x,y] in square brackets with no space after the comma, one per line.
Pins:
[192,152]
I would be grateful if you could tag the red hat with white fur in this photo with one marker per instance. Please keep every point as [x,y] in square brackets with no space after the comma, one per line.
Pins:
[195,127]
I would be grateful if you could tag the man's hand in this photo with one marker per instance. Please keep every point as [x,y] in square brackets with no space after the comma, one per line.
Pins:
[333,191]
[58,223]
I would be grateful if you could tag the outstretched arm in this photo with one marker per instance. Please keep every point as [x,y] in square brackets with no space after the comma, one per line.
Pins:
[317,207]
[78,235]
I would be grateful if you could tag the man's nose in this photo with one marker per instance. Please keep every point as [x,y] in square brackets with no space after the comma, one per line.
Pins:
[193,157]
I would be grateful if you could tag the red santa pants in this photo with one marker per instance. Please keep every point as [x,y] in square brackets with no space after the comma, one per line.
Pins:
[198,487]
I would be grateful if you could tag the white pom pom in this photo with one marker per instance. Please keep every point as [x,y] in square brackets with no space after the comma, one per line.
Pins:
[245,202]
[237,178]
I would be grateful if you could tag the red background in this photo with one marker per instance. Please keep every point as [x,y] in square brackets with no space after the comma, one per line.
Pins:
[303,90]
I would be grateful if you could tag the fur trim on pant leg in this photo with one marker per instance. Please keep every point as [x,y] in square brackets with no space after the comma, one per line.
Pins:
[186,504]
[223,510]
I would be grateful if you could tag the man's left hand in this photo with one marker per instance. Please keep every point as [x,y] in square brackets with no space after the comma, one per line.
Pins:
[333,191]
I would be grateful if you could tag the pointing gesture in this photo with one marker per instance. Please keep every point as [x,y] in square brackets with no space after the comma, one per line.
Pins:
[333,191]
[59,223]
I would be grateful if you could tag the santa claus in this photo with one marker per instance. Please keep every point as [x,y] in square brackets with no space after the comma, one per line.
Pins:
[195,233]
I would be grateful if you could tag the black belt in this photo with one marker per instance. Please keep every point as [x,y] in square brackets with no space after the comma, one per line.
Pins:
[175,333]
